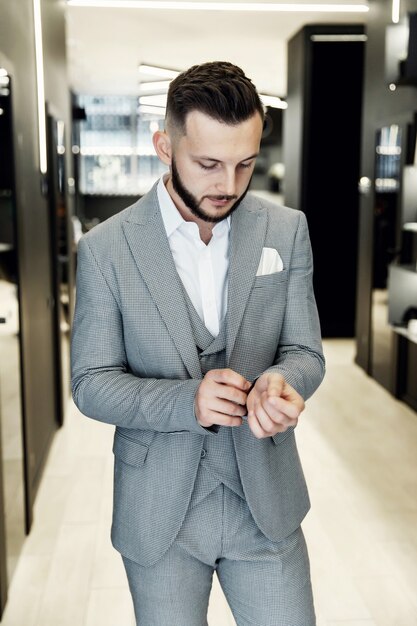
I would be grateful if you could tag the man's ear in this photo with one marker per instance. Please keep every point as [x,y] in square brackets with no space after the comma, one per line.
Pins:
[163,146]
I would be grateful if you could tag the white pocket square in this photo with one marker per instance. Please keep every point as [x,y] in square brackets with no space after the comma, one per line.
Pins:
[270,262]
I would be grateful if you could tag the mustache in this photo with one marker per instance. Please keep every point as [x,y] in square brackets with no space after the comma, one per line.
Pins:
[221,197]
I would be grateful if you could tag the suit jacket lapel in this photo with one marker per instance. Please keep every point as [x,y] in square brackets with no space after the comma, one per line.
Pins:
[248,231]
[145,233]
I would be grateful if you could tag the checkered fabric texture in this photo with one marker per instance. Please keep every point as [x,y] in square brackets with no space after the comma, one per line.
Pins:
[135,364]
[265,583]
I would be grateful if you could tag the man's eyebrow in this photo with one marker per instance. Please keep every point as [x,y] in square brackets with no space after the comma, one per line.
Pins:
[207,158]
[252,156]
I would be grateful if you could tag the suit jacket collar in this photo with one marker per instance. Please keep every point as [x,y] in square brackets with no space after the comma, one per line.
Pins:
[248,232]
[148,242]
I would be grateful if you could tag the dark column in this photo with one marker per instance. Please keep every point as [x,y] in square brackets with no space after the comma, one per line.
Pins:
[322,147]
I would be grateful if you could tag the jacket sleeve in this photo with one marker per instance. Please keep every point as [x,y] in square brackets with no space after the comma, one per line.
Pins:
[102,386]
[299,357]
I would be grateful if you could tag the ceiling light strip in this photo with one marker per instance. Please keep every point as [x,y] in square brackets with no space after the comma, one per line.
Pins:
[221,6]
[341,38]
[158,111]
[40,83]
[154,86]
[155,70]
[395,11]
[273,101]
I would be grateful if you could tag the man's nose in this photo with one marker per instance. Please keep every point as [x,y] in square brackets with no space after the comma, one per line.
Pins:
[227,183]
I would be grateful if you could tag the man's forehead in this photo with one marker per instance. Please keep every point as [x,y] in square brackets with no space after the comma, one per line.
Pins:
[198,120]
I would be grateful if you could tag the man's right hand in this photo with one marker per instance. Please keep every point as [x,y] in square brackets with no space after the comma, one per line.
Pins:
[221,398]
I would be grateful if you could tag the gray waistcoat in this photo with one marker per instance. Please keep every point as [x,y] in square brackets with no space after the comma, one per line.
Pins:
[218,463]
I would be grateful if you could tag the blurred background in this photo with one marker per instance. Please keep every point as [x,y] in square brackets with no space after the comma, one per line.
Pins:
[83,87]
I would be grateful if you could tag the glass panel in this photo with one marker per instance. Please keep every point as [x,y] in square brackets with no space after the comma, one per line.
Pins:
[386,210]
[10,382]
[60,257]
[117,155]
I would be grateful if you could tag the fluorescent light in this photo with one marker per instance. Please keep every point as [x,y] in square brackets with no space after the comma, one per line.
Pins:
[3,72]
[40,82]
[273,101]
[388,150]
[117,151]
[395,11]
[155,100]
[159,100]
[339,37]
[155,70]
[154,86]
[410,226]
[60,137]
[159,111]
[222,6]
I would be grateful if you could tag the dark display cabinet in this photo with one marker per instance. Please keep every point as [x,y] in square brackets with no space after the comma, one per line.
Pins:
[402,283]
[12,481]
[321,152]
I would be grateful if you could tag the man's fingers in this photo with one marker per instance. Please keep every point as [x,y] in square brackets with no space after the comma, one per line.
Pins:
[276,407]
[261,432]
[220,419]
[229,401]
[228,408]
[275,386]
[231,394]
[255,427]
[271,420]
[229,377]
[273,406]
[263,419]
[216,400]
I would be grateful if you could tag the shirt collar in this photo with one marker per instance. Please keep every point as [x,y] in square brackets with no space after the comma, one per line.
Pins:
[173,219]
[170,214]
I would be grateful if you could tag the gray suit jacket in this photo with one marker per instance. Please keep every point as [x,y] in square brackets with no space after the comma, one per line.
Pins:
[135,365]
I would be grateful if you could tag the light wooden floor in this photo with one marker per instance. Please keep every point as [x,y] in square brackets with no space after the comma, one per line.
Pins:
[359,450]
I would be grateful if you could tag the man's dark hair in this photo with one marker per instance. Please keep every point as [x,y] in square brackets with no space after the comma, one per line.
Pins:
[218,89]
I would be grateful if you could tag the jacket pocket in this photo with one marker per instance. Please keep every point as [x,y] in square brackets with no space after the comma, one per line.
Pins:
[280,437]
[269,280]
[129,451]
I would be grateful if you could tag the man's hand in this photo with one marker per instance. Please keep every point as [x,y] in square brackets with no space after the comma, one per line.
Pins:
[221,398]
[273,406]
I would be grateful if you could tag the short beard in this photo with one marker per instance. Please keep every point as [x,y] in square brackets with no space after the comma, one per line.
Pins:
[194,205]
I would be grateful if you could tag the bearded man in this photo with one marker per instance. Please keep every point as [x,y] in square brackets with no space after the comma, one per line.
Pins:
[196,334]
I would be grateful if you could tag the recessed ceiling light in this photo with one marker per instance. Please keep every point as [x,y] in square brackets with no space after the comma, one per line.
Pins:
[288,7]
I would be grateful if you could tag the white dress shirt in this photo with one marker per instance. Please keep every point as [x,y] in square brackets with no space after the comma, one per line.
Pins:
[202,268]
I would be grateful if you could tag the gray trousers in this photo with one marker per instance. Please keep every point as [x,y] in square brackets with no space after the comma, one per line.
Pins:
[265,583]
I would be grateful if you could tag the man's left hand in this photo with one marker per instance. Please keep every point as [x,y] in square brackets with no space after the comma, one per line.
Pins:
[273,406]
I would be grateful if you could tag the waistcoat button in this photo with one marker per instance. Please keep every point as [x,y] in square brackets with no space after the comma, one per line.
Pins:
[203,453]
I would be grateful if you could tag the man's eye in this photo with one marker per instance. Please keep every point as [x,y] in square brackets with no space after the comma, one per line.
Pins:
[246,165]
[207,167]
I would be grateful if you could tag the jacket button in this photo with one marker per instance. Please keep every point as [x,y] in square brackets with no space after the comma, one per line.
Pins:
[203,453]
